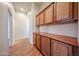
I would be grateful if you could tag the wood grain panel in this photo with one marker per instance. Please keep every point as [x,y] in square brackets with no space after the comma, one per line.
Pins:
[34,38]
[60,49]
[37,20]
[49,14]
[75,10]
[57,45]
[42,18]
[66,39]
[38,41]
[62,10]
[45,45]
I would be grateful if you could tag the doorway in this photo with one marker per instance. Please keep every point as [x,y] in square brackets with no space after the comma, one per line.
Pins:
[9,29]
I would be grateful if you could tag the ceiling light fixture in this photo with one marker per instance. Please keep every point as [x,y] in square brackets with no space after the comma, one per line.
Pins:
[22,9]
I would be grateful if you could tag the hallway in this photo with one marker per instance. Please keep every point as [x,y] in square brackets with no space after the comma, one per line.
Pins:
[23,47]
[39,28]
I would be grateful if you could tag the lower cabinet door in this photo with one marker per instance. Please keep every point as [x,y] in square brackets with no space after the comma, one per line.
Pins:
[60,49]
[38,41]
[45,45]
[34,38]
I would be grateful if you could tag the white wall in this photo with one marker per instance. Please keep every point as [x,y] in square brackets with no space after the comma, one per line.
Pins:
[43,5]
[62,29]
[30,27]
[12,13]
[21,26]
[32,23]
[3,29]
[24,25]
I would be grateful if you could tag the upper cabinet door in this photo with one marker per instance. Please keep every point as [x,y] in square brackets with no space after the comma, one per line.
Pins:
[42,18]
[75,11]
[37,20]
[49,11]
[63,11]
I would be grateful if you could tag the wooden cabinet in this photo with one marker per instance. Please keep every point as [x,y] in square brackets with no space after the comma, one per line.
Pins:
[56,45]
[42,18]
[37,20]
[75,15]
[38,41]
[34,38]
[63,12]
[45,45]
[58,12]
[60,49]
[49,13]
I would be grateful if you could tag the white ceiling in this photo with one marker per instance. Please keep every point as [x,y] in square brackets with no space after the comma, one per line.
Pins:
[25,5]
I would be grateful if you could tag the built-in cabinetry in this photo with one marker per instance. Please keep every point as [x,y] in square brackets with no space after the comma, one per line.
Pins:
[75,11]
[58,12]
[63,12]
[59,48]
[52,44]
[37,20]
[42,18]
[36,40]
[56,45]
[49,14]
[45,45]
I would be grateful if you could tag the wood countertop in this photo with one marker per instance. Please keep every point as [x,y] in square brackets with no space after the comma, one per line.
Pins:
[66,39]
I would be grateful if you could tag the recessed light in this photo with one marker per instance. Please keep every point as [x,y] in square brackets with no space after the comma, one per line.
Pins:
[22,9]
